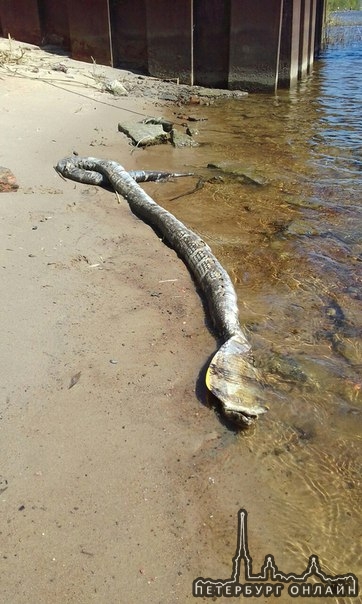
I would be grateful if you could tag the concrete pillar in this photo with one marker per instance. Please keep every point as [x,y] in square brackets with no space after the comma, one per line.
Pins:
[254,33]
[169,39]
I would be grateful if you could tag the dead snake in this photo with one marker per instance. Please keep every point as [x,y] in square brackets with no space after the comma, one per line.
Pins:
[231,375]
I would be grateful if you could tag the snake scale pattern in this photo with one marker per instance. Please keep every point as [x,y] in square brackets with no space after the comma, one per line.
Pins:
[231,375]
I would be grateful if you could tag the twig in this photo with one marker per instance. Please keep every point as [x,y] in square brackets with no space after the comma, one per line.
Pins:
[199,185]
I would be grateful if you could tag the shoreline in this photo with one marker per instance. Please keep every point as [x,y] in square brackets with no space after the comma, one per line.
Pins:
[118,482]
[104,340]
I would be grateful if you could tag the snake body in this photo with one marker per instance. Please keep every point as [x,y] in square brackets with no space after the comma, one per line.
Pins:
[231,375]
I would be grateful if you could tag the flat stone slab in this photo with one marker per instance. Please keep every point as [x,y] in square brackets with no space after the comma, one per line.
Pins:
[7,181]
[166,124]
[156,130]
[143,134]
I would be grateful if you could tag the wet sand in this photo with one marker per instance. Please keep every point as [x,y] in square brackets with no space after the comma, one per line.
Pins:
[103,338]
[118,482]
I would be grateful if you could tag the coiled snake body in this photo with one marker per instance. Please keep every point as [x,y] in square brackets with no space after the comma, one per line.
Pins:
[231,375]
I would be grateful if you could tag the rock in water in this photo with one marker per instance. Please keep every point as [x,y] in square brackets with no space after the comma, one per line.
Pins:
[243,173]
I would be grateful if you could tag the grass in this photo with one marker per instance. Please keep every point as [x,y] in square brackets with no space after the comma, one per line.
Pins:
[338,32]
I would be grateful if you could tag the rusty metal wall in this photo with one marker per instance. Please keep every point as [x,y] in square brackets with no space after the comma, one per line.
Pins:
[290,44]
[254,29]
[304,38]
[89,30]
[301,39]
[20,20]
[234,43]
[54,23]
[211,42]
[129,34]
[295,40]
[169,39]
[284,74]
[320,19]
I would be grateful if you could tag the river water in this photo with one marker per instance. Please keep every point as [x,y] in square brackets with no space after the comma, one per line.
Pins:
[289,232]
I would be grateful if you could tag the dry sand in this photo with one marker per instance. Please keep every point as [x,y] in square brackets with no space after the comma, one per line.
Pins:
[102,339]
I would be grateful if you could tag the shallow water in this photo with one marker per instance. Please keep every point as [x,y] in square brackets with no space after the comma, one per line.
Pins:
[292,243]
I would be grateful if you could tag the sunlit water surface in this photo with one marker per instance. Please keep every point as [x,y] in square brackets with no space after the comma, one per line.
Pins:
[292,245]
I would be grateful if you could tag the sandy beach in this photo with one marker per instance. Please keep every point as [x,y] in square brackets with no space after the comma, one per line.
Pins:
[119,483]
[105,446]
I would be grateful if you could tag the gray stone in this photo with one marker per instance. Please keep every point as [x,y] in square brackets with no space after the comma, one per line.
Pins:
[168,96]
[179,139]
[166,124]
[301,202]
[217,93]
[301,227]
[144,134]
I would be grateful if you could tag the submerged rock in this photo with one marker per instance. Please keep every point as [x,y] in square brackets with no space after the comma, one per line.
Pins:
[349,348]
[300,227]
[302,202]
[285,366]
[241,172]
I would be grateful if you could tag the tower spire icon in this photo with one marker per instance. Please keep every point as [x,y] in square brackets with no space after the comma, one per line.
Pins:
[242,550]
[256,584]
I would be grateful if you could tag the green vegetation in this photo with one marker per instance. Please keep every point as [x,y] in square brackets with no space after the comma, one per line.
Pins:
[333,5]
[340,31]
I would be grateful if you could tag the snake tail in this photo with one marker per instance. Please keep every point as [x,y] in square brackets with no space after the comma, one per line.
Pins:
[233,379]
